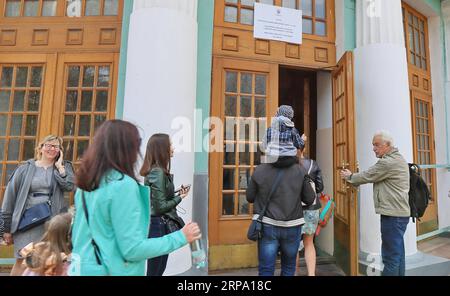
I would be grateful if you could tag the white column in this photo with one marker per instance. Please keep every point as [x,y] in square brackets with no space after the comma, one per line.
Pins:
[382,102]
[160,88]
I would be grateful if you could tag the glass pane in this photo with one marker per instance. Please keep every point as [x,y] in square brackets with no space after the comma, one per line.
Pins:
[231,14]
[229,157]
[228,204]
[228,179]
[231,1]
[3,122]
[4,100]
[85,125]
[416,41]
[69,125]
[422,45]
[33,100]
[68,149]
[320,9]
[82,146]
[243,207]
[307,26]
[230,129]
[269,2]
[246,106]
[86,100]
[16,126]
[244,129]
[36,76]
[260,87]
[103,76]
[244,154]
[426,110]
[2,150]
[411,38]
[307,7]
[412,58]
[320,29]
[111,7]
[248,2]
[416,21]
[31,125]
[88,76]
[231,82]
[71,100]
[13,149]
[246,83]
[410,20]
[13,8]
[230,106]
[28,149]
[260,107]
[21,76]
[261,129]
[31,8]
[7,75]
[99,119]
[49,8]
[74,76]
[289,4]
[101,103]
[244,178]
[92,7]
[246,16]
[422,26]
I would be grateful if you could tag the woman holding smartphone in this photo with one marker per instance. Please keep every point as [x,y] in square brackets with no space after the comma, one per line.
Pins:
[164,199]
[37,181]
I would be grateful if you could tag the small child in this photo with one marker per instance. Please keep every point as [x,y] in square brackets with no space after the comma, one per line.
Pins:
[50,256]
[282,138]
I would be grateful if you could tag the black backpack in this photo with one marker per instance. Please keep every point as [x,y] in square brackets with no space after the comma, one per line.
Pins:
[419,194]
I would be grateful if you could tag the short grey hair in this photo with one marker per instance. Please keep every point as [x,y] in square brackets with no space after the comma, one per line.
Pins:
[385,137]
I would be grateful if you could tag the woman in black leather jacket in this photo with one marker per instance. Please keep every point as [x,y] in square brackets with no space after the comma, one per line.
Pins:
[164,199]
[311,213]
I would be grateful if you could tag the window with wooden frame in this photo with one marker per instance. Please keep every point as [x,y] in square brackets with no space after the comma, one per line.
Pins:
[87,96]
[314,13]
[245,125]
[20,103]
[416,38]
[48,8]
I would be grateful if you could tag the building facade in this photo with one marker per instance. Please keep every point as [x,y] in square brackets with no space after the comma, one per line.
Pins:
[192,69]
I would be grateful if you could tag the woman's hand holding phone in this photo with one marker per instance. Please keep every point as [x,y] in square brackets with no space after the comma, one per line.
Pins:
[184,190]
[59,164]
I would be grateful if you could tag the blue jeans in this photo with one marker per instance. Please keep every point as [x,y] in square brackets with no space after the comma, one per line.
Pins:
[156,266]
[393,245]
[274,238]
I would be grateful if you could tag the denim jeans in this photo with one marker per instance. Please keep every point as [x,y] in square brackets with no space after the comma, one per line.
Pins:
[156,266]
[393,245]
[274,238]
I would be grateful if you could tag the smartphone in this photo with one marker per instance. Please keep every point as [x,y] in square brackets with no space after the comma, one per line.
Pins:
[58,156]
[187,186]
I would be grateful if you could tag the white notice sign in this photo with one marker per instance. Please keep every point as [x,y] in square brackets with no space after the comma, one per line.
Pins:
[278,23]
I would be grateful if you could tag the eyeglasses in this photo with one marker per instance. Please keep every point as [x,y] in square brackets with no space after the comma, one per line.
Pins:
[50,146]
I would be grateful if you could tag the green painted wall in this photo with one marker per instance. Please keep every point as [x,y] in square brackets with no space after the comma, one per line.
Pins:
[435,4]
[205,17]
[350,24]
[127,9]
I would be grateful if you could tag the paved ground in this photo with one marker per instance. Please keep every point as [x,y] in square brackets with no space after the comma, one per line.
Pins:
[438,246]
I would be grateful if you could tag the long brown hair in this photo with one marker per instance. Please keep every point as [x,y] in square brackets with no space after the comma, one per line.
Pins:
[115,146]
[157,154]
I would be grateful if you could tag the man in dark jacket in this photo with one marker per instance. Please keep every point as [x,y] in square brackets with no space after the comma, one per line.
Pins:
[283,219]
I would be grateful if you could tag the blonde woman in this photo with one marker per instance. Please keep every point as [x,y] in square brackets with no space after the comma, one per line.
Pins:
[37,181]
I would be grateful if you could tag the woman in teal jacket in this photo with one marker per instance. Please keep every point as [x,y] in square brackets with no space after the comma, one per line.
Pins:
[112,217]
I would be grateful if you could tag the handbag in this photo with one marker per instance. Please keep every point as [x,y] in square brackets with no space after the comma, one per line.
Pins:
[172,223]
[37,214]
[254,232]
[34,216]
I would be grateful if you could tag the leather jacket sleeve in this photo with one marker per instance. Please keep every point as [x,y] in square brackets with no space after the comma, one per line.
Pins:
[317,177]
[161,203]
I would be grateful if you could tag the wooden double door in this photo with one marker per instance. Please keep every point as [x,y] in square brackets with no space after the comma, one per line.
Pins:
[245,96]
[63,94]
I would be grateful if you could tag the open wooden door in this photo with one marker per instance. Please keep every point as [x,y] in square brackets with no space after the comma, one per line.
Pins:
[344,150]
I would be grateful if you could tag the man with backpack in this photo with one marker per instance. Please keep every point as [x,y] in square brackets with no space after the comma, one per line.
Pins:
[391,183]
